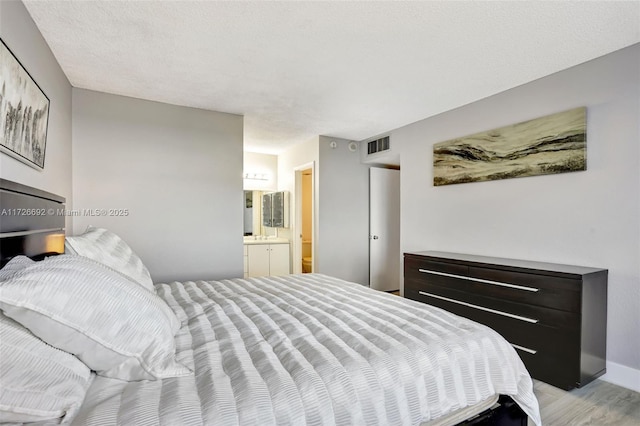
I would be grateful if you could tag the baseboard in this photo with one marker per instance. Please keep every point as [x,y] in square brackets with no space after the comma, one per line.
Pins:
[622,375]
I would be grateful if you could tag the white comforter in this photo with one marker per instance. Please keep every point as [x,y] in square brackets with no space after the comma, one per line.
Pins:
[311,349]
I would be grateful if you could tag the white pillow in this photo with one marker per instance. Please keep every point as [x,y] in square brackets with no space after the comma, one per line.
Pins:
[68,249]
[106,247]
[83,307]
[37,382]
[16,264]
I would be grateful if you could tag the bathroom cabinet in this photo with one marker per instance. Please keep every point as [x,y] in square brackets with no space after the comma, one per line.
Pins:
[275,209]
[267,259]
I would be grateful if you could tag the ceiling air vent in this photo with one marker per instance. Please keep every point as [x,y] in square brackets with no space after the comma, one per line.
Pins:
[378,145]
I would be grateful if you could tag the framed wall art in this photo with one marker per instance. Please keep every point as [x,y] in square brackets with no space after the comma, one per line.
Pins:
[556,143]
[24,112]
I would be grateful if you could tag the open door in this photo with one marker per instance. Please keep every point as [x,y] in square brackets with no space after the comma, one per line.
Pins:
[384,229]
[303,231]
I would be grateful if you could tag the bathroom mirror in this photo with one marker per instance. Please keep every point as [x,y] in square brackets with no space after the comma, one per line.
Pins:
[248,213]
[253,215]
[275,209]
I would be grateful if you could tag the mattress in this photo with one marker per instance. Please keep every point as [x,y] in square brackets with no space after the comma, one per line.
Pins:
[312,349]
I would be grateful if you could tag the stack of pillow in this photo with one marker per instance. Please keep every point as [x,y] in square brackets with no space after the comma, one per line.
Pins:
[61,319]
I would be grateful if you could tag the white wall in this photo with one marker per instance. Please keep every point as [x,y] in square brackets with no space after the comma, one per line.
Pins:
[176,170]
[343,212]
[21,35]
[588,218]
[294,157]
[262,164]
[341,206]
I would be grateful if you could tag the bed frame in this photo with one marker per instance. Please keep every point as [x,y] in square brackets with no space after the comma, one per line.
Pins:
[504,413]
[32,223]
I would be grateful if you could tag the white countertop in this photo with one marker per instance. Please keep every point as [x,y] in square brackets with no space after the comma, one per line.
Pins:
[265,240]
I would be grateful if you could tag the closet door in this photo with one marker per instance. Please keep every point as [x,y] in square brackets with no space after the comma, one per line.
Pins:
[384,229]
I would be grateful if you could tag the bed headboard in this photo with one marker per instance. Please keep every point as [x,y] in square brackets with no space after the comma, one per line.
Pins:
[32,222]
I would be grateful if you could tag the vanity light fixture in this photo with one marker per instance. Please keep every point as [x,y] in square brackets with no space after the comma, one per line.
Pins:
[256,176]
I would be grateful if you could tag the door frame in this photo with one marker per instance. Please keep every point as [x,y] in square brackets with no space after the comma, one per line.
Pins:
[296,260]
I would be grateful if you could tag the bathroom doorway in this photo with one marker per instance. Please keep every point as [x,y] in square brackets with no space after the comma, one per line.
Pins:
[304,259]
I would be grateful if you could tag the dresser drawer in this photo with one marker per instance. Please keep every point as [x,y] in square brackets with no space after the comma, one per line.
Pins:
[555,292]
[532,338]
[545,366]
[422,278]
[499,308]
[551,292]
[416,263]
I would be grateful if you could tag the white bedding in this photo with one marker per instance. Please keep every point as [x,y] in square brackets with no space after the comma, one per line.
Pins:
[311,349]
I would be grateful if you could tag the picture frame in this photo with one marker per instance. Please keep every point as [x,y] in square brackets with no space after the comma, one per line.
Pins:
[555,143]
[24,112]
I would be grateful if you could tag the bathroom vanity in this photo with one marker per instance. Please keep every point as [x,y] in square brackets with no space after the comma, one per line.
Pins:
[266,256]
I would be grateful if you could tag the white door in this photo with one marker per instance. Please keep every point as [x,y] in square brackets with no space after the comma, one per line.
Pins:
[279,259]
[384,229]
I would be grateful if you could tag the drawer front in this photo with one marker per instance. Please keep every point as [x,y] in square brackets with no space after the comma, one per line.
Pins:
[416,263]
[421,279]
[545,366]
[550,354]
[522,313]
[554,292]
[539,290]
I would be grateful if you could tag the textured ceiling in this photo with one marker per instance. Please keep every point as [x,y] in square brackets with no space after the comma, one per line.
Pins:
[296,70]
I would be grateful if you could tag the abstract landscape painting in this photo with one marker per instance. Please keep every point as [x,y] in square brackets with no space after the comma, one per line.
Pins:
[555,143]
[24,112]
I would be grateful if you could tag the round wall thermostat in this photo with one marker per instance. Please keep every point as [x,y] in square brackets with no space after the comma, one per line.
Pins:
[353,146]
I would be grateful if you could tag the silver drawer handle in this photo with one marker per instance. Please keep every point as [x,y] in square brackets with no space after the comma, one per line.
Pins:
[522,348]
[462,277]
[493,311]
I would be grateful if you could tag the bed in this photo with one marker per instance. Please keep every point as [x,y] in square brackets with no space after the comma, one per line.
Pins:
[299,349]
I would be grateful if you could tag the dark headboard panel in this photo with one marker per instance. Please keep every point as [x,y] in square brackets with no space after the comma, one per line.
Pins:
[32,222]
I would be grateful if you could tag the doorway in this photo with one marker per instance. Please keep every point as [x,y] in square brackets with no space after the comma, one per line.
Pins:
[303,252]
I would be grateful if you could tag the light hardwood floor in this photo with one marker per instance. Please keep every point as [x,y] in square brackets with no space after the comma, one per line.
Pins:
[597,404]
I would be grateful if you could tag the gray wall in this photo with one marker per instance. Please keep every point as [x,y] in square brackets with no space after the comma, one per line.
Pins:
[178,172]
[343,213]
[588,218]
[21,35]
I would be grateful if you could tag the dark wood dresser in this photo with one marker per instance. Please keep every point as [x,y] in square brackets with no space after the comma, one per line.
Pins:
[554,315]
